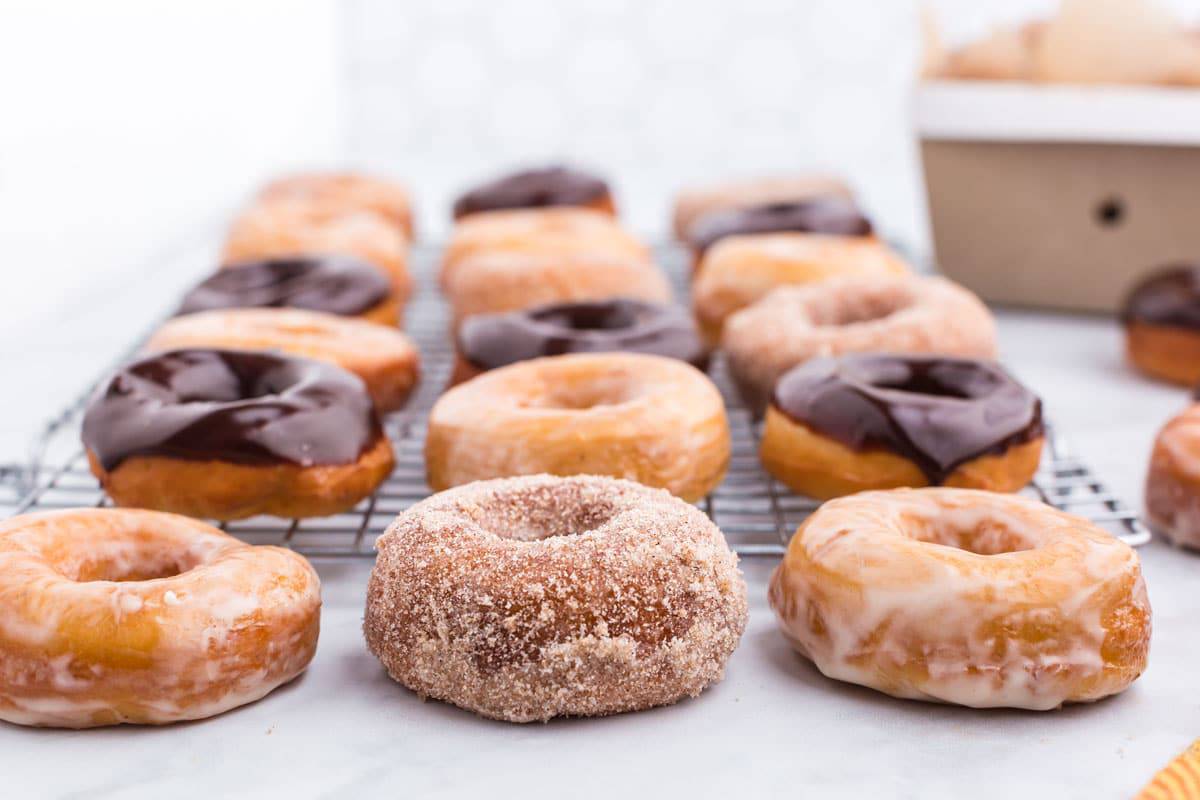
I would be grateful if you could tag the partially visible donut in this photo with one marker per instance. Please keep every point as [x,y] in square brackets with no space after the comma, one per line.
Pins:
[1161,316]
[1173,479]
[337,193]
[537,597]
[833,216]
[385,359]
[697,202]
[537,188]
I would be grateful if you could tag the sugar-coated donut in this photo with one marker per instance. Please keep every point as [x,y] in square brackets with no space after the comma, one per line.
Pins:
[489,341]
[878,421]
[557,232]
[112,616]
[740,269]
[647,418]
[226,434]
[831,215]
[965,597]
[333,284]
[895,314]
[337,193]
[536,597]
[1161,317]
[697,202]
[1173,480]
[498,281]
[284,230]
[538,188]
[385,359]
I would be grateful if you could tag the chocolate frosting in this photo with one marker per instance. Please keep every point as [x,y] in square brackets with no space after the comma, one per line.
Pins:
[828,215]
[334,284]
[488,341]
[533,188]
[238,406]
[937,412]
[1169,296]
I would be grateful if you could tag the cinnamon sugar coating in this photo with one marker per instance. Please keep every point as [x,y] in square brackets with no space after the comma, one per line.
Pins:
[523,599]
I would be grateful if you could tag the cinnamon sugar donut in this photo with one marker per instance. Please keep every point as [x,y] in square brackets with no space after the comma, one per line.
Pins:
[491,282]
[648,418]
[895,314]
[557,232]
[227,434]
[1173,480]
[338,193]
[538,188]
[965,597]
[1161,317]
[697,202]
[283,230]
[741,269]
[112,616]
[385,359]
[537,597]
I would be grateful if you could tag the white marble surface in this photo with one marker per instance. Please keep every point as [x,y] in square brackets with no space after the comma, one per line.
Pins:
[774,726]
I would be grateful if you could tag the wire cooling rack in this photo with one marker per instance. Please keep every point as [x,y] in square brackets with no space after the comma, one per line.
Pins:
[756,513]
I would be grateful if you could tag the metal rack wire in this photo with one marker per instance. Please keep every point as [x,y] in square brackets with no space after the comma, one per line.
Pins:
[756,513]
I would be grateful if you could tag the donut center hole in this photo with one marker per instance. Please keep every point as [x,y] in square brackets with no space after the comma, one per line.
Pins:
[584,395]
[536,522]
[591,317]
[983,537]
[856,308]
[124,562]
[926,384]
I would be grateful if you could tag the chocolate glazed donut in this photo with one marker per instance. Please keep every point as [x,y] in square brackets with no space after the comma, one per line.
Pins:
[1161,317]
[333,284]
[227,434]
[835,216]
[537,188]
[489,341]
[872,421]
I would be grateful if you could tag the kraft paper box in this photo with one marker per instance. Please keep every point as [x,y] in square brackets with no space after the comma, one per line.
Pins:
[1059,196]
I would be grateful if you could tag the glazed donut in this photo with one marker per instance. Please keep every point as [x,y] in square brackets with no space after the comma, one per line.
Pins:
[333,284]
[501,281]
[226,434]
[557,232]
[284,230]
[740,269]
[1173,480]
[112,616]
[837,426]
[694,203]
[834,216]
[488,341]
[383,357]
[1161,317]
[338,193]
[536,597]
[896,314]
[651,419]
[537,188]
[965,597]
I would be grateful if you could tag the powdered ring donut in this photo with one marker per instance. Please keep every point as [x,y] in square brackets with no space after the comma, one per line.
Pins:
[894,314]
[112,616]
[536,597]
[963,596]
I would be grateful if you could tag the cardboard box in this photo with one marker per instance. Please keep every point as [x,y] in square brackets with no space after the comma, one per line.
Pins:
[1059,196]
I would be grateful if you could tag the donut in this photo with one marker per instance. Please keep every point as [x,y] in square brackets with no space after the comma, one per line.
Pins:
[384,358]
[835,216]
[488,341]
[492,282]
[227,434]
[529,598]
[837,426]
[285,230]
[333,284]
[1173,479]
[537,188]
[647,418]
[897,314]
[1161,317]
[738,270]
[966,597]
[696,202]
[337,193]
[111,616]
[558,232]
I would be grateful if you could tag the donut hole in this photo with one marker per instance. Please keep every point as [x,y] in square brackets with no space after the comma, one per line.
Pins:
[535,517]
[983,537]
[590,316]
[858,307]
[596,392]
[125,562]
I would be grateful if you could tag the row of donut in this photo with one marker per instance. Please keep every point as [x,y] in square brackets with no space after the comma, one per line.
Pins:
[532,597]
